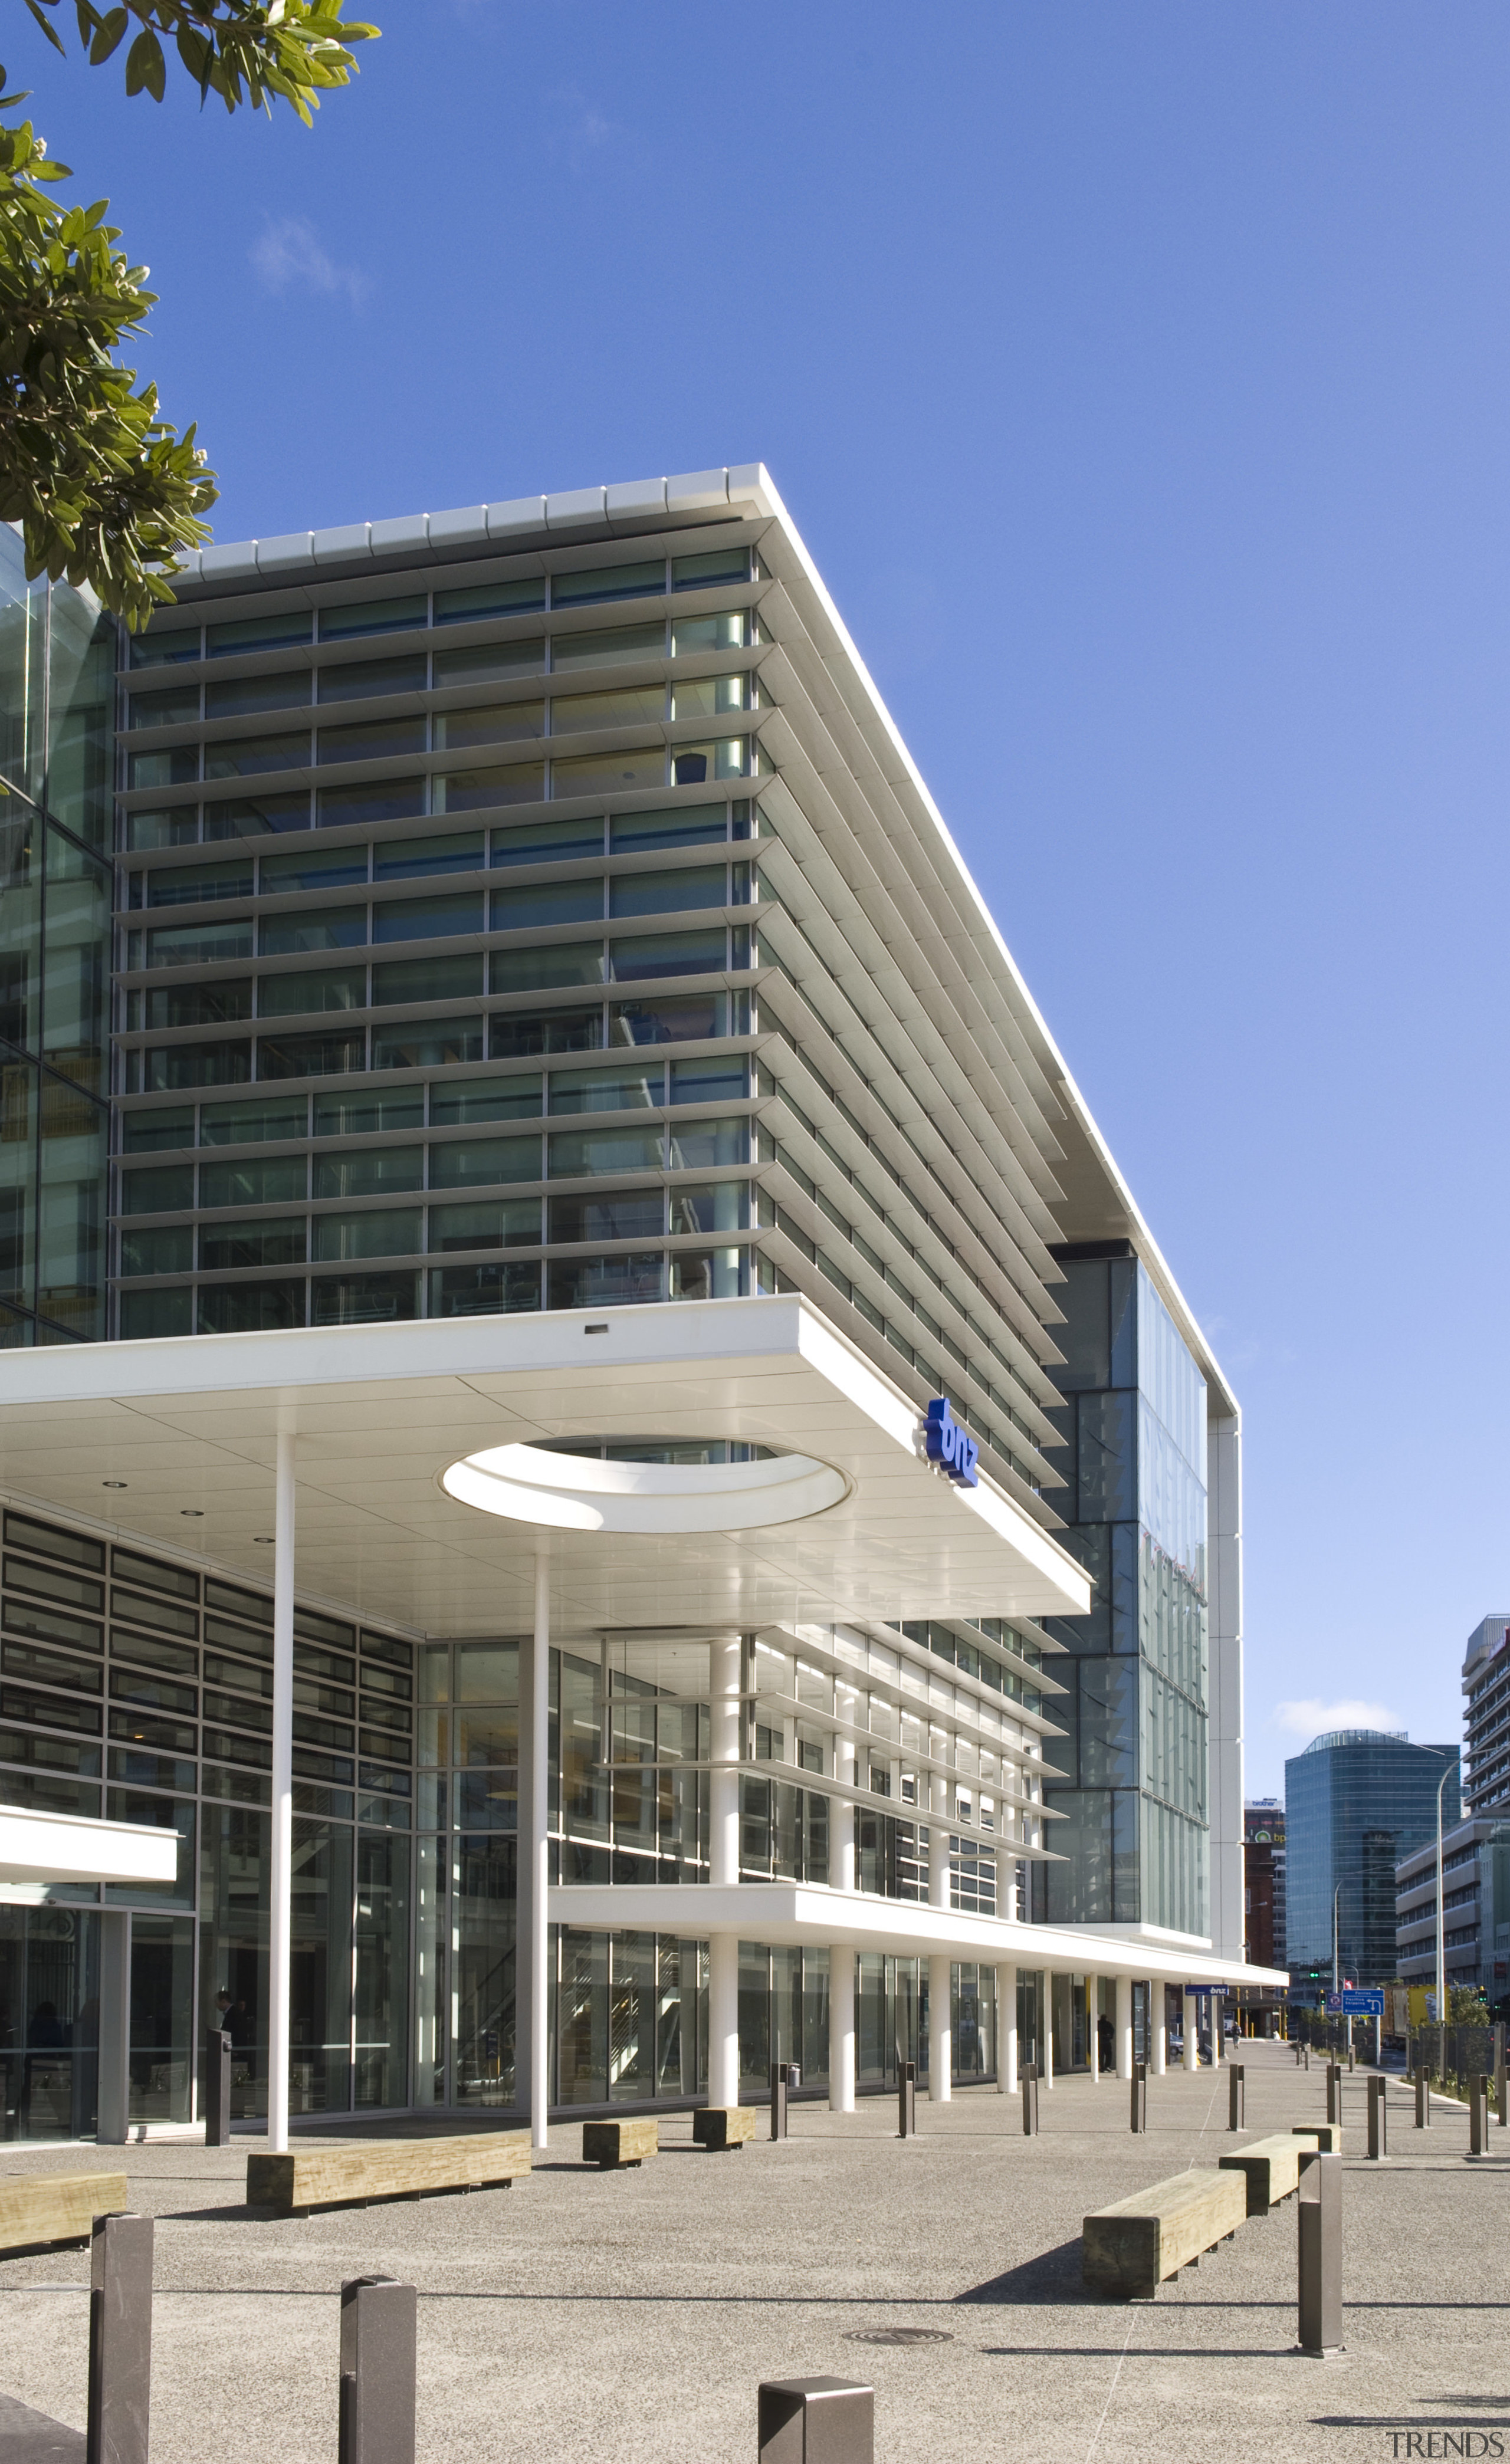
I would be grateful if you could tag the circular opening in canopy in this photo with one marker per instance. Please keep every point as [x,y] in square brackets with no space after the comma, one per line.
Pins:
[645,1485]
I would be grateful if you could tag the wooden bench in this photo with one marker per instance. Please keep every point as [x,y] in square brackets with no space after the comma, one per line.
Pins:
[1327,2135]
[40,2207]
[1129,2248]
[385,2168]
[1272,2167]
[620,2142]
[724,2125]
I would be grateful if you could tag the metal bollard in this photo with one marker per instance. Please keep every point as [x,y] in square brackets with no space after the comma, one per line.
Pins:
[1423,2097]
[1139,2096]
[1378,2135]
[1235,2097]
[119,2340]
[217,2089]
[1307,2056]
[816,2421]
[1319,2205]
[1028,2082]
[377,2370]
[1500,2074]
[906,2105]
[1298,2053]
[780,2081]
[1334,2091]
[1477,2114]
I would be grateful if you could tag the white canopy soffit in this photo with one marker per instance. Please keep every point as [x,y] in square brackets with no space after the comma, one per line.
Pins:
[382,1414]
[37,1848]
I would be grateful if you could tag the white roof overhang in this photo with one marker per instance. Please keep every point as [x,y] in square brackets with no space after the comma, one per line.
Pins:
[78,1848]
[190,1426]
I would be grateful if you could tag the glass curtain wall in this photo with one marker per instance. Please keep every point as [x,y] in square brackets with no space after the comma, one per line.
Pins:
[56,740]
[467,1875]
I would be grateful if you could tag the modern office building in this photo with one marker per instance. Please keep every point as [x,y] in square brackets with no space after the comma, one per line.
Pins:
[624,1406]
[1356,1802]
[1475,1911]
[1263,1880]
[1486,1716]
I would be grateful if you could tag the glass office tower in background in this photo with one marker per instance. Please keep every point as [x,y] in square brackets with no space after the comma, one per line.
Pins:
[1356,1802]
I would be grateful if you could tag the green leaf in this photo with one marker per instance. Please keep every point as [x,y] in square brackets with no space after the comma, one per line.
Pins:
[51,32]
[111,29]
[146,69]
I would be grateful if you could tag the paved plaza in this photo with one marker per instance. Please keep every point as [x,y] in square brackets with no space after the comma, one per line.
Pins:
[580,2316]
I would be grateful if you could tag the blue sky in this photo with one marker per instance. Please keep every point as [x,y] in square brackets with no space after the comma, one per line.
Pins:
[1137,377]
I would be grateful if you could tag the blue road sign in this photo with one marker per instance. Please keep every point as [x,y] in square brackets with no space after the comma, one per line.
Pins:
[1366,2003]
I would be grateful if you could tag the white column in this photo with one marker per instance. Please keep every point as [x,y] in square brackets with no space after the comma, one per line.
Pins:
[843,1816]
[1214,2006]
[1006,1878]
[1225,1686]
[1046,2049]
[1007,2031]
[1192,2041]
[841,2028]
[1125,2027]
[1093,2015]
[725,1659]
[538,1850]
[1159,2015]
[940,2030]
[280,1863]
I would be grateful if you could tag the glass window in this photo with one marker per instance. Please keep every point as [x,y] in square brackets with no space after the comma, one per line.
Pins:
[404,859]
[628,706]
[496,1223]
[165,644]
[661,894]
[709,696]
[574,1154]
[370,1172]
[311,1056]
[618,1214]
[242,757]
[71,1262]
[371,740]
[149,1132]
[363,679]
[608,1091]
[613,647]
[224,1246]
[522,597]
[175,826]
[174,765]
[701,1146]
[196,1065]
[82,661]
[548,842]
[374,616]
[169,1250]
[561,962]
[483,662]
[376,799]
[703,572]
[721,1078]
[253,817]
[144,1315]
[610,773]
[426,979]
[389,1232]
[215,1005]
[428,920]
[518,1034]
[469,791]
[693,1019]
[258,1181]
[695,766]
[237,695]
[312,988]
[257,633]
[604,1283]
[362,1113]
[438,1043]
[710,1275]
[682,826]
[483,1290]
[538,903]
[471,1164]
[75,963]
[245,1309]
[503,722]
[484,1099]
[323,927]
[609,581]
[196,885]
[312,868]
[176,706]
[668,954]
[720,1207]
[732,628]
[200,945]
[366,1300]
[226,1125]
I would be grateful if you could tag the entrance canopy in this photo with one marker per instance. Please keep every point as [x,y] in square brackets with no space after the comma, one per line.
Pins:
[175,1443]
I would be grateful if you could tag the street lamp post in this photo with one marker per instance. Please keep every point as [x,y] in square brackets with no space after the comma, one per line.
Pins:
[1337,1975]
[1441,1914]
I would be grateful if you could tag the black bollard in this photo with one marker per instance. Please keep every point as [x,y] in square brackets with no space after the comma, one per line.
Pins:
[377,2370]
[1500,2074]
[119,2340]
[1029,2099]
[816,2421]
[217,2089]
[1477,2114]
[1235,2097]
[780,2082]
[1139,2096]
[1378,2135]
[1319,2205]
[1423,2097]
[907,2101]
[1334,2091]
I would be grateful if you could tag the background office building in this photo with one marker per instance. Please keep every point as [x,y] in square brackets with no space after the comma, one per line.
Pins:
[1356,1802]
[1263,1880]
[1486,1716]
[1475,1911]
[527,925]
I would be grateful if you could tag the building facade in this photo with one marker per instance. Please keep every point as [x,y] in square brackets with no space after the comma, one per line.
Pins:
[1475,1911]
[1486,1716]
[528,927]
[1263,1879]
[1356,1802]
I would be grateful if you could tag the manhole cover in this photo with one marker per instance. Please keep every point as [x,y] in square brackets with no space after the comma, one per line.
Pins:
[897,2336]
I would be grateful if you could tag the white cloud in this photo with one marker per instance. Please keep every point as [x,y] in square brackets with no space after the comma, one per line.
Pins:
[1312,1717]
[289,256]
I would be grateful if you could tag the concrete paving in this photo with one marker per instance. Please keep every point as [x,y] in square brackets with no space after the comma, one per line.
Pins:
[580,2316]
